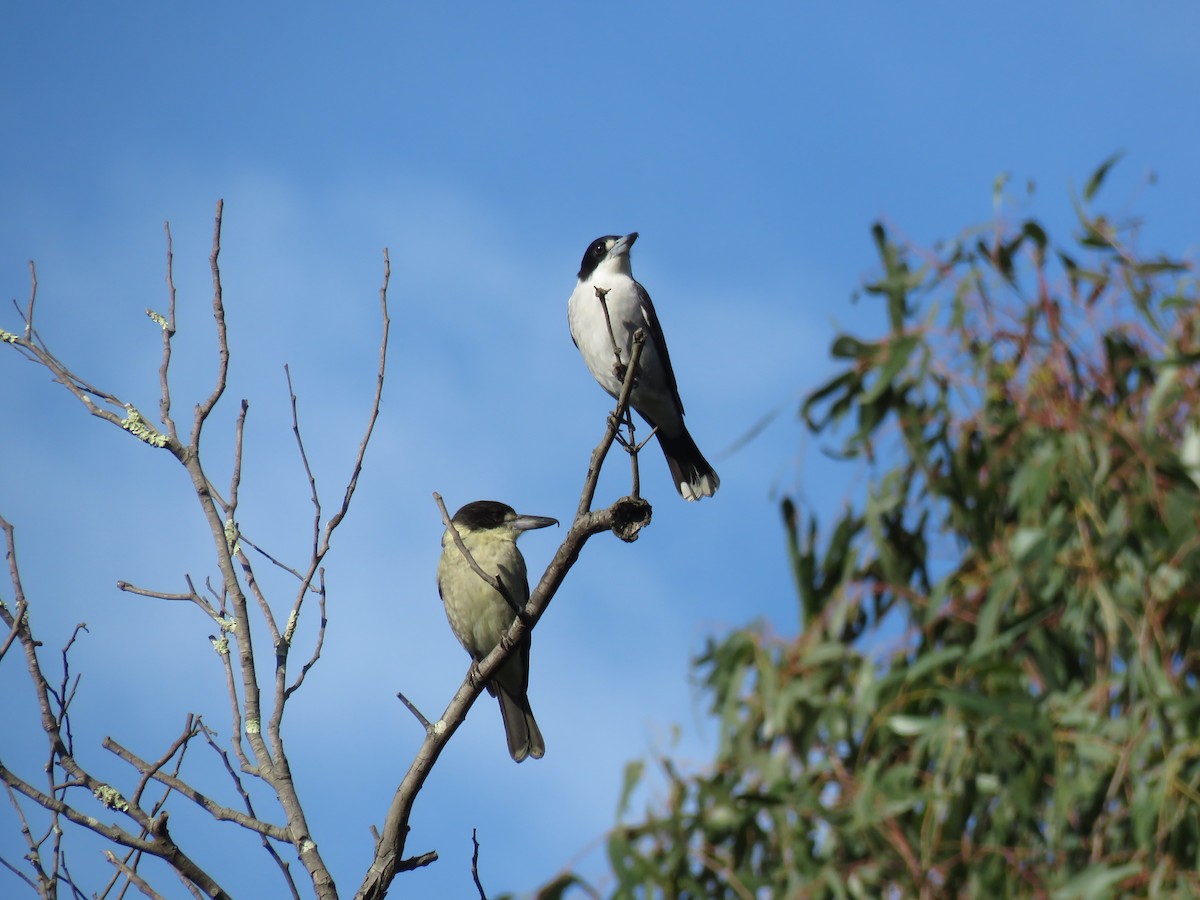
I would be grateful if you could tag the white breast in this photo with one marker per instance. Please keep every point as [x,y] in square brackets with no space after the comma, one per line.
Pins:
[653,396]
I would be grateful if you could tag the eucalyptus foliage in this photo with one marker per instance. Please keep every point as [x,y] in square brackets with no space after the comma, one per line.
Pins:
[995,689]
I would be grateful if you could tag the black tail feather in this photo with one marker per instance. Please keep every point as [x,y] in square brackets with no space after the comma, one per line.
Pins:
[693,476]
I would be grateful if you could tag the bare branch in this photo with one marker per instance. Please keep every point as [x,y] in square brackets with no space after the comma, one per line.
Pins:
[271,559]
[204,409]
[214,809]
[33,857]
[625,518]
[312,482]
[159,844]
[66,691]
[180,743]
[35,350]
[316,654]
[12,632]
[362,447]
[237,782]
[257,742]
[33,282]
[221,645]
[25,878]
[235,479]
[412,708]
[132,876]
[251,582]
[136,855]
[54,724]
[191,597]
[417,862]
[168,332]
[475,866]
[614,425]
[618,366]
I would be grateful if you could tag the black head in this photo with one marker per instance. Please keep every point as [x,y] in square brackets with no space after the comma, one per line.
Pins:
[488,515]
[484,514]
[597,251]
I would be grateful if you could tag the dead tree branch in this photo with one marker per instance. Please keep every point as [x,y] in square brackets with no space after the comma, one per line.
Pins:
[257,742]
[625,518]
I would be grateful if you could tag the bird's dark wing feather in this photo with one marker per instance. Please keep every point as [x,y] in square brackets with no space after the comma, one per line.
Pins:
[660,342]
[509,578]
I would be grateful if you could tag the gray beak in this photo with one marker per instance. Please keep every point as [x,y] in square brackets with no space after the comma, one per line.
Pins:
[529,523]
[624,245]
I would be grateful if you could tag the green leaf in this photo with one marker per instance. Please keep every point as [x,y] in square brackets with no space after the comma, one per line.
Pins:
[898,352]
[631,779]
[848,347]
[908,726]
[1097,179]
[1036,233]
[1097,881]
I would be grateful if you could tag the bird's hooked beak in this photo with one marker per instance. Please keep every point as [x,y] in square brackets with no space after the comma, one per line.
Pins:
[623,245]
[529,523]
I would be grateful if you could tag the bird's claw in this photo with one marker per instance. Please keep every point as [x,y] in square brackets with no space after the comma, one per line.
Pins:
[473,673]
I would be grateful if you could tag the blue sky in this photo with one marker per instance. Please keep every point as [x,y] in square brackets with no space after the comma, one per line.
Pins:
[751,145]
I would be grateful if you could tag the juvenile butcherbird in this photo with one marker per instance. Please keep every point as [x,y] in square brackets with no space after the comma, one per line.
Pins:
[655,396]
[479,615]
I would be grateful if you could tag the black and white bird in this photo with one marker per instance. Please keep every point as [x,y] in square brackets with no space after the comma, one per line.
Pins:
[655,396]
[479,615]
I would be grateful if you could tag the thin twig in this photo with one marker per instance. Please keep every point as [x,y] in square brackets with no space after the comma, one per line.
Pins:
[316,654]
[235,479]
[204,409]
[241,789]
[312,482]
[214,809]
[614,425]
[633,448]
[191,597]
[189,732]
[412,708]
[320,551]
[33,857]
[17,618]
[475,866]
[136,855]
[133,877]
[60,859]
[362,447]
[618,366]
[25,878]
[261,598]
[161,844]
[271,559]
[221,645]
[66,692]
[168,331]
[33,283]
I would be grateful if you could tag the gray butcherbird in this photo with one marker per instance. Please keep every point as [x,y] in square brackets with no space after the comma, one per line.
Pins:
[479,614]
[655,395]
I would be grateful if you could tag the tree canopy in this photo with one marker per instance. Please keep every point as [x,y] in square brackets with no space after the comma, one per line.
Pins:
[994,692]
